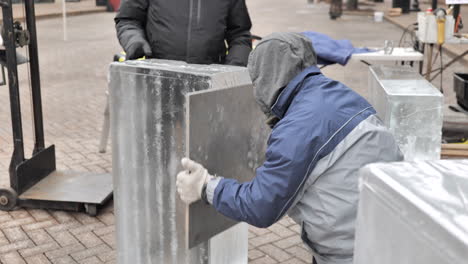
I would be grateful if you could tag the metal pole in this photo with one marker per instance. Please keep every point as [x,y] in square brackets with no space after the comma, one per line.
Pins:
[429,62]
[64,20]
[15,103]
[456,14]
[35,78]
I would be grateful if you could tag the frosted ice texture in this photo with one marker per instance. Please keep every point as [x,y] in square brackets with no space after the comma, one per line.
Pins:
[411,107]
[230,246]
[148,124]
[413,212]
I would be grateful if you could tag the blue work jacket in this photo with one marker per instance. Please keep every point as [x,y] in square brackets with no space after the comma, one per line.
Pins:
[316,114]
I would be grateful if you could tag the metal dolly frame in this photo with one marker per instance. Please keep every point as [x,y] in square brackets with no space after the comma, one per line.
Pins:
[34,182]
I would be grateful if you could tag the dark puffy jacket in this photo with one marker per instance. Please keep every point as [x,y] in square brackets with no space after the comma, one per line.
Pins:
[194,31]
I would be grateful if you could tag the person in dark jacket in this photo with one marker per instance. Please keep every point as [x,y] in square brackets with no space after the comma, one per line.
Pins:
[322,134]
[195,31]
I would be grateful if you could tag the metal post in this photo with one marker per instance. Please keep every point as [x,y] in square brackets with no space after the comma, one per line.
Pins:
[64,20]
[429,62]
[15,103]
[35,78]
[456,14]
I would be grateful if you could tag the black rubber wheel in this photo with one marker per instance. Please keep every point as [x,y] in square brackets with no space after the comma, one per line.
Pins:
[8,198]
[91,209]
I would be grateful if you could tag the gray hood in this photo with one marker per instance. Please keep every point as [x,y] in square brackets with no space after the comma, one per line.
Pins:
[276,60]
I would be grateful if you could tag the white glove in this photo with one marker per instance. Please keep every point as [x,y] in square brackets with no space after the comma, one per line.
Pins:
[190,181]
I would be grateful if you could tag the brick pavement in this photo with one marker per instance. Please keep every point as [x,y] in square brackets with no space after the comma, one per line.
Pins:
[49,236]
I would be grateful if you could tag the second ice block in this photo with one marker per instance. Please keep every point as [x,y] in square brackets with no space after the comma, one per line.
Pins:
[411,107]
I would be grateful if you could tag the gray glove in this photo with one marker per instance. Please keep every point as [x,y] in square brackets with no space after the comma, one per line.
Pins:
[138,48]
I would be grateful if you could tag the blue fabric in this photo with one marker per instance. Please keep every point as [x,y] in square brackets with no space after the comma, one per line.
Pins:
[315,113]
[330,51]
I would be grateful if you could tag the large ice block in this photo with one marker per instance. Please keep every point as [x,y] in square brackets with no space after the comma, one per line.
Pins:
[410,107]
[150,121]
[413,213]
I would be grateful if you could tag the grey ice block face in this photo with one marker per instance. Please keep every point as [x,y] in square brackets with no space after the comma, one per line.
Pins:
[148,126]
[411,107]
[227,136]
[413,213]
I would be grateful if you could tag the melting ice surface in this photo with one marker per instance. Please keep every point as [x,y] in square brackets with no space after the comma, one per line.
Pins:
[411,108]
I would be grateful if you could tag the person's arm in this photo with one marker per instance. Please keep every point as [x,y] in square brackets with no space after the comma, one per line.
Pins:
[238,35]
[130,25]
[265,199]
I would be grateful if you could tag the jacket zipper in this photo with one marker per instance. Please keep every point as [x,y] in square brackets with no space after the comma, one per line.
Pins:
[189,30]
[198,12]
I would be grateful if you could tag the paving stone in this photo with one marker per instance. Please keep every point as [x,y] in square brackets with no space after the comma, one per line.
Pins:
[37,259]
[64,238]
[86,228]
[91,260]
[19,214]
[264,260]
[108,256]
[85,219]
[64,260]
[31,251]
[40,225]
[90,252]
[295,228]
[5,218]
[300,253]
[110,240]
[286,221]
[288,242]
[107,218]
[15,234]
[16,246]
[251,246]
[261,240]
[281,231]
[89,239]
[11,258]
[3,241]
[63,227]
[64,251]
[274,252]
[39,214]
[258,231]
[104,230]
[17,222]
[62,217]
[39,236]
[255,254]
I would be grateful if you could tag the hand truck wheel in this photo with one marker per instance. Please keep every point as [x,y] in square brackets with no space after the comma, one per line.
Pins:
[8,199]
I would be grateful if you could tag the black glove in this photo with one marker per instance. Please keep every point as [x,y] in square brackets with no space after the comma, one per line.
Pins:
[138,48]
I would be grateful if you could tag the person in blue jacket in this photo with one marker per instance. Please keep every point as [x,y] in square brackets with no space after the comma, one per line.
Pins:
[322,134]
